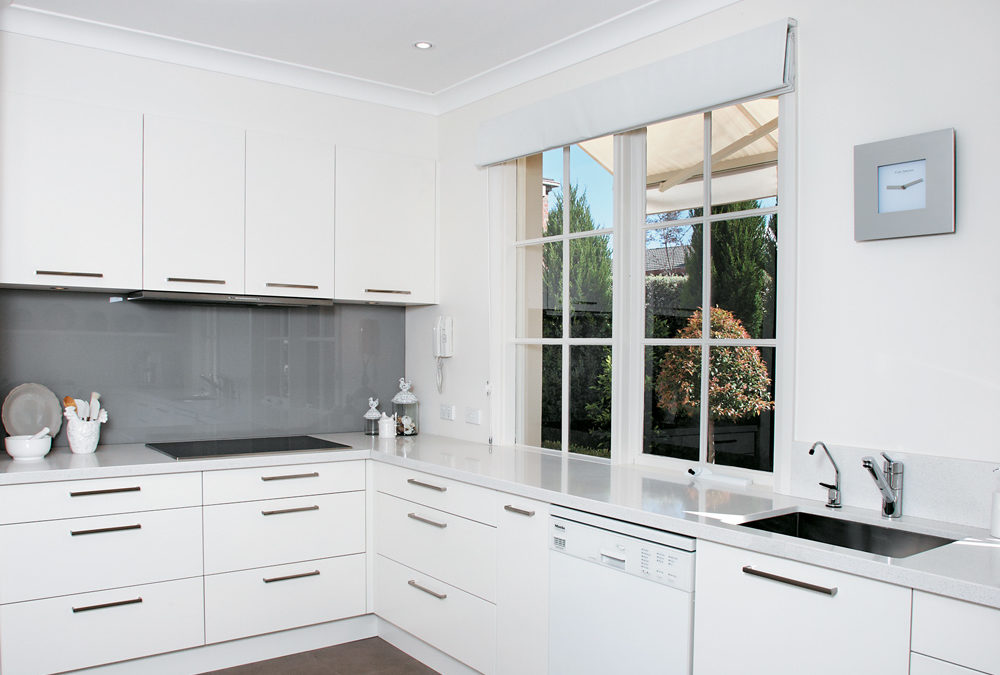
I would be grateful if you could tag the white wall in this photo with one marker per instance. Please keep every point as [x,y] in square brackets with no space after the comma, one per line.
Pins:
[896,340]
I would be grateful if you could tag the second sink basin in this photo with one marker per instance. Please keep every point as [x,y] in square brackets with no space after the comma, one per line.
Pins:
[885,541]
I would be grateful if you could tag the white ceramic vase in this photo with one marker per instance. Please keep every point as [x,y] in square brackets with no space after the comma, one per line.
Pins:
[83,435]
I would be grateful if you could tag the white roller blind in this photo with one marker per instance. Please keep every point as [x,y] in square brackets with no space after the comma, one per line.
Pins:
[743,66]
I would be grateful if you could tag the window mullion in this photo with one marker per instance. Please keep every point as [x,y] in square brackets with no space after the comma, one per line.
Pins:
[706,288]
[567,210]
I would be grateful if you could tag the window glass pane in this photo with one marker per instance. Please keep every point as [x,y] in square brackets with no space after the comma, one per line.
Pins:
[539,291]
[744,276]
[672,292]
[590,173]
[741,407]
[671,416]
[539,386]
[590,286]
[745,156]
[674,165]
[590,400]
[551,192]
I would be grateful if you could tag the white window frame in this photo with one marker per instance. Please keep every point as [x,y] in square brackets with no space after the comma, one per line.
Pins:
[629,302]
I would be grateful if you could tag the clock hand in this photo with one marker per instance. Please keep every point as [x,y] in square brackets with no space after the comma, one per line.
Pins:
[895,187]
[913,182]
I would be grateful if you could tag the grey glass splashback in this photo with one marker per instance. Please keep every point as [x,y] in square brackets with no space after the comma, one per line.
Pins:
[175,372]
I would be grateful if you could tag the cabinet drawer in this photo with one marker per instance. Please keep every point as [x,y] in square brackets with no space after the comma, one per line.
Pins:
[77,631]
[78,498]
[269,599]
[455,550]
[956,631]
[462,499]
[278,531]
[461,625]
[275,482]
[925,665]
[59,557]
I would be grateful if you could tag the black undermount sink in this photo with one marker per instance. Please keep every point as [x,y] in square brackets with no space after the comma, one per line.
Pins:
[885,541]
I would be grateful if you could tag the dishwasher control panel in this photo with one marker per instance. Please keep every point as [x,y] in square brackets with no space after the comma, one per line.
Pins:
[652,560]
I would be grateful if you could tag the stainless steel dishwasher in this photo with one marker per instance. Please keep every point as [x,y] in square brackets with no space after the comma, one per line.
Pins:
[621,597]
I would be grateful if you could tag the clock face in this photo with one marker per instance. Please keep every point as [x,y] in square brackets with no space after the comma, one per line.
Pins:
[903,186]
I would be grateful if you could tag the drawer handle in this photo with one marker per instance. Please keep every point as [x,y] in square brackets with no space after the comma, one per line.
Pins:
[387,290]
[102,530]
[55,273]
[791,582]
[514,509]
[314,573]
[134,601]
[414,481]
[189,280]
[299,509]
[271,284]
[439,596]
[106,491]
[314,474]
[427,520]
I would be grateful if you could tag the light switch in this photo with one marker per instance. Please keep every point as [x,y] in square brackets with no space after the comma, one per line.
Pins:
[473,416]
[447,411]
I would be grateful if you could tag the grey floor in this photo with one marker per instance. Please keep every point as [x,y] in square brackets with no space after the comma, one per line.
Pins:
[372,656]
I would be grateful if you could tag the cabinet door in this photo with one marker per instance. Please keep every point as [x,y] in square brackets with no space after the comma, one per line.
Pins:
[192,206]
[522,586]
[386,247]
[71,179]
[752,624]
[290,215]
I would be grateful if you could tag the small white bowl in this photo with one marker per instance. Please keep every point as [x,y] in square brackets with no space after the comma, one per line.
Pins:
[25,448]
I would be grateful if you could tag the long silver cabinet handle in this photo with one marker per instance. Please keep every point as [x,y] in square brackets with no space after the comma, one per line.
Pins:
[102,530]
[314,573]
[57,273]
[105,491]
[427,520]
[791,582]
[299,509]
[439,596]
[414,481]
[314,474]
[312,287]
[514,509]
[105,605]
[189,280]
[388,290]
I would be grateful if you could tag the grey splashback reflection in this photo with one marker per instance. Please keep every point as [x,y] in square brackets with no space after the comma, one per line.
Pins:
[173,371]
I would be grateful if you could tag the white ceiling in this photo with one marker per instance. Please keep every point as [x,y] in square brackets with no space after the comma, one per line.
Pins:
[479,47]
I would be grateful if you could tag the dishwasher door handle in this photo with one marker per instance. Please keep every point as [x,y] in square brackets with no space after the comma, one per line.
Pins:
[613,555]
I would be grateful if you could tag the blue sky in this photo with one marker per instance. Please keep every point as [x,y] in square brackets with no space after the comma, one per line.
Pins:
[588,175]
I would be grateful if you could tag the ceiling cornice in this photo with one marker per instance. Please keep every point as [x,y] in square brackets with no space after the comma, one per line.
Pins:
[642,22]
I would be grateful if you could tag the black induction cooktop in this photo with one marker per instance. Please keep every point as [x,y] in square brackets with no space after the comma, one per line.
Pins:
[231,447]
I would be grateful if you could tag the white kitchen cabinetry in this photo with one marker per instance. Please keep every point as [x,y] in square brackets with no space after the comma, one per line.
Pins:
[925,665]
[386,239]
[284,547]
[436,564]
[754,624]
[934,634]
[71,179]
[289,216]
[522,586]
[193,201]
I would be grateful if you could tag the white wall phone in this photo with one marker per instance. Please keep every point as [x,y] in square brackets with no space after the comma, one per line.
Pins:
[444,339]
[444,345]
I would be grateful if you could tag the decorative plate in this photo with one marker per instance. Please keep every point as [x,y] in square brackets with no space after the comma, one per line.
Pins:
[29,408]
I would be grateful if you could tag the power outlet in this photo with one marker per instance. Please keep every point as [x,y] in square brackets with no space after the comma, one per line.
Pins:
[473,416]
[448,411]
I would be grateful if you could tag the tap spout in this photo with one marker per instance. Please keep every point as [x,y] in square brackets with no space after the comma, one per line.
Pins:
[880,481]
[889,480]
[833,494]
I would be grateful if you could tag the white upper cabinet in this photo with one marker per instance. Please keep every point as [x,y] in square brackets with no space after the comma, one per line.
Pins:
[193,206]
[289,216]
[386,227]
[71,182]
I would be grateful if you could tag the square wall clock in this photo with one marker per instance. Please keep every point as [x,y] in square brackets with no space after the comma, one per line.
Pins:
[905,187]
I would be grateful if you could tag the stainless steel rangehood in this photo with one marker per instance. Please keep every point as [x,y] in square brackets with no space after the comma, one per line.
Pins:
[228,299]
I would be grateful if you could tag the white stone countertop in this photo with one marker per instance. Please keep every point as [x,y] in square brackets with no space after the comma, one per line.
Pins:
[968,569]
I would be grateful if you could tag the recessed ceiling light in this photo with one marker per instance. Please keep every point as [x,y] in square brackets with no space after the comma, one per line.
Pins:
[422,45]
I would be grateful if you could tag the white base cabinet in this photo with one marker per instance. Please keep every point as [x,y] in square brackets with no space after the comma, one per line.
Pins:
[752,624]
[77,631]
[974,645]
